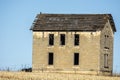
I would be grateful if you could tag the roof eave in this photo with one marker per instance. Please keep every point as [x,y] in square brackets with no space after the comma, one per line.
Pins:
[112,22]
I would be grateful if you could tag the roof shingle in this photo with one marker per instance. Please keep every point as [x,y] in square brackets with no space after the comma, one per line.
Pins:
[71,22]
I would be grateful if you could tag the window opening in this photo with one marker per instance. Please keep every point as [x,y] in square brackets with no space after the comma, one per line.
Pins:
[62,39]
[76,58]
[76,39]
[105,60]
[51,39]
[50,58]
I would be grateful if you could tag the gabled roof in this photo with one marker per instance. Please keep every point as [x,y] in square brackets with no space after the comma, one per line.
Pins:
[71,22]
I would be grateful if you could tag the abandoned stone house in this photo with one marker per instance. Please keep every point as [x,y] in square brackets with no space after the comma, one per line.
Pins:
[81,43]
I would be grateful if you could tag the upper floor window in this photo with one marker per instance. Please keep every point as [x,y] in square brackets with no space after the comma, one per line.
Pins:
[76,39]
[62,39]
[51,39]
[106,42]
[106,36]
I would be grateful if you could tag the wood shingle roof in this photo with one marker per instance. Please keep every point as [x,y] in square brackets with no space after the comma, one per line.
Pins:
[71,22]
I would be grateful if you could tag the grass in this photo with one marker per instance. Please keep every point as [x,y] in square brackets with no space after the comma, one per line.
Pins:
[51,76]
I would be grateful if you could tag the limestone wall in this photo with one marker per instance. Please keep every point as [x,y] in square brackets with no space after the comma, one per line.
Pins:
[107,42]
[88,49]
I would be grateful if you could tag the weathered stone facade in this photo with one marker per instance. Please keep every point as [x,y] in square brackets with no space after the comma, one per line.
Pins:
[95,48]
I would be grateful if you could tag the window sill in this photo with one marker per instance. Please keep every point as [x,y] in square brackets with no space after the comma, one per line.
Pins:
[76,66]
[62,46]
[50,46]
[50,66]
[77,46]
[106,67]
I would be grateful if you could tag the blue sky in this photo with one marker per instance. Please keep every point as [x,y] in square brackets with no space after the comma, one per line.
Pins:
[16,17]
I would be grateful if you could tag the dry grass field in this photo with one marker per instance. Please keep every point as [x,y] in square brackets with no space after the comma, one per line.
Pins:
[51,76]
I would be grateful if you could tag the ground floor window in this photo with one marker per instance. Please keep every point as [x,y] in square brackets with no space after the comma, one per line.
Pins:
[50,58]
[76,58]
[105,60]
